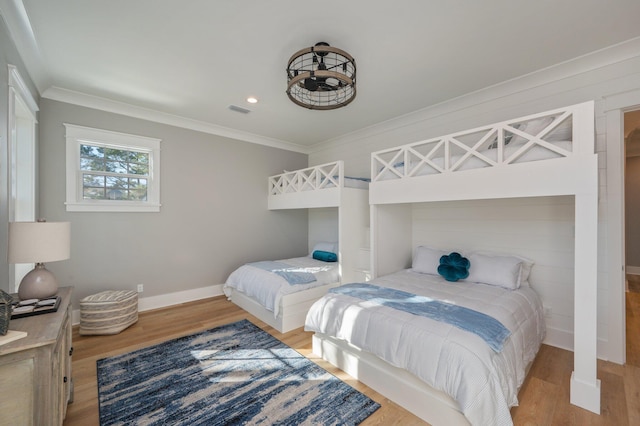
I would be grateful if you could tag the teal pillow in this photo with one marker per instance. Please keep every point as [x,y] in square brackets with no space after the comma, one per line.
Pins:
[325,256]
[454,267]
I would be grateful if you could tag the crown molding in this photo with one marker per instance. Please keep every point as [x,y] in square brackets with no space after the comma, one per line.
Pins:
[589,62]
[15,17]
[116,107]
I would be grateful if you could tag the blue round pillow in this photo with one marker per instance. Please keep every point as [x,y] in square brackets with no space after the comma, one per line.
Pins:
[454,267]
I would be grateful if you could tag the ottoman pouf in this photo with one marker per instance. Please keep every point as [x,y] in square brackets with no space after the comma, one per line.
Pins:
[108,312]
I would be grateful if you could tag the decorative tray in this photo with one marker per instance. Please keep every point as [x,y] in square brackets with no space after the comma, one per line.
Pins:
[27,308]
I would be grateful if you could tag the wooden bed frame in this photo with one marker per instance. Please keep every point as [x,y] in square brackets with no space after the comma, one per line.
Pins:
[322,186]
[573,172]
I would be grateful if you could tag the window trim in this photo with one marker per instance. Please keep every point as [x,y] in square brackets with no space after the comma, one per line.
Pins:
[79,135]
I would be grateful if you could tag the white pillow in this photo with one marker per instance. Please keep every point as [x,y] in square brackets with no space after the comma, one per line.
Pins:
[525,271]
[525,268]
[426,260]
[325,246]
[503,271]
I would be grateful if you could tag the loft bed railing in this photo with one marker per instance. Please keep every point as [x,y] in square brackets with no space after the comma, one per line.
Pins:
[324,176]
[552,134]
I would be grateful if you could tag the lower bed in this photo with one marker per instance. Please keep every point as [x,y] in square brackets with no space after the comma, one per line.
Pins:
[440,372]
[272,298]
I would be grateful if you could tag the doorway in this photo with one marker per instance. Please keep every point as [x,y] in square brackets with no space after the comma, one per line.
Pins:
[631,128]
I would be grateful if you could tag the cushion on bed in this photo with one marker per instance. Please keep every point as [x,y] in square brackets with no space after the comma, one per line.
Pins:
[325,246]
[454,267]
[525,267]
[525,271]
[426,260]
[325,256]
[502,271]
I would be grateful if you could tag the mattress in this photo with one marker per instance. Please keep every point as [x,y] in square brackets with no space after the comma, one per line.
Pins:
[267,288]
[483,382]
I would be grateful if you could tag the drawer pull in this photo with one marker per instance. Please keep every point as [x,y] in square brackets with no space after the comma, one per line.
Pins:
[65,379]
[71,351]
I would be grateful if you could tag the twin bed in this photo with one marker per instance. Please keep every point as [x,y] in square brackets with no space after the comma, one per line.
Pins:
[445,371]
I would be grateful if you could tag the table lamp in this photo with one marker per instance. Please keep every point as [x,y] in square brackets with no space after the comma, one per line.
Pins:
[38,242]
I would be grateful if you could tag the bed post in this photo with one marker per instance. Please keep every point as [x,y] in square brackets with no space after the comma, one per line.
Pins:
[585,387]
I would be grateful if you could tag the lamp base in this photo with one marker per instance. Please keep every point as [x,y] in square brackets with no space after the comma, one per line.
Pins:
[40,283]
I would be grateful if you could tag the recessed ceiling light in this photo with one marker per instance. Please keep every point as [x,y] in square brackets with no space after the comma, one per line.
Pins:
[252,100]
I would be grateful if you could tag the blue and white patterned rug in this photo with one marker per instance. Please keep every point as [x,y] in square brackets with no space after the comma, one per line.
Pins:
[235,374]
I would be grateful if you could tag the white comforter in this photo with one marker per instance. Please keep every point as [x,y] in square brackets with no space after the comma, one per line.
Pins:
[483,382]
[268,288]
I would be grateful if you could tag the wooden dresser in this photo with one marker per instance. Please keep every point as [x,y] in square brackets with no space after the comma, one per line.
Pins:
[35,371]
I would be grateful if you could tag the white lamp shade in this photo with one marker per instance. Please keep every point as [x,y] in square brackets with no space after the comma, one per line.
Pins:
[39,242]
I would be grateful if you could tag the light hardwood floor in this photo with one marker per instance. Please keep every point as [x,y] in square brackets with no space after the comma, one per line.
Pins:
[544,396]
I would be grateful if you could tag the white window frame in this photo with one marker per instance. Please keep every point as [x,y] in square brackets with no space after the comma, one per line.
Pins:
[79,135]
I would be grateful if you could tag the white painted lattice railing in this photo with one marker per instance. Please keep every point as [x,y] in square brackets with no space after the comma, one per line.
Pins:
[558,133]
[324,176]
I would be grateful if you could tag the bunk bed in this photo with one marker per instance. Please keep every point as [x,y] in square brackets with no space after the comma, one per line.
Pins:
[343,202]
[545,154]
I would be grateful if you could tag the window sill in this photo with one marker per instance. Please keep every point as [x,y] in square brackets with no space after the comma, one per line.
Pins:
[113,207]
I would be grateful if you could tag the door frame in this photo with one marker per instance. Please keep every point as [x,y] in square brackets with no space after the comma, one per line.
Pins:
[22,126]
[614,108]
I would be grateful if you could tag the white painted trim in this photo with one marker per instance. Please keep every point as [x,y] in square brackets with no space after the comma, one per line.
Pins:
[17,83]
[19,26]
[632,270]
[77,135]
[614,108]
[21,107]
[108,105]
[166,300]
[585,394]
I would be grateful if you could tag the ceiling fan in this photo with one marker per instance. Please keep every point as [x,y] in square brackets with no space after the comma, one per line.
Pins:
[321,77]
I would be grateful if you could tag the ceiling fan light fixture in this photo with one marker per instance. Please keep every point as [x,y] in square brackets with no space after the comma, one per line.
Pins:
[321,77]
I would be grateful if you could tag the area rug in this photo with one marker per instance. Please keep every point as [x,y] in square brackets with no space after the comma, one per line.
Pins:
[235,374]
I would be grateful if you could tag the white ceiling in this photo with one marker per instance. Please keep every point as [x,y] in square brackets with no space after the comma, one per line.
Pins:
[191,59]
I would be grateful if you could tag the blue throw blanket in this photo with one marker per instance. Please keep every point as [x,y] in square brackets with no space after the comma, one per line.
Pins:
[485,326]
[288,272]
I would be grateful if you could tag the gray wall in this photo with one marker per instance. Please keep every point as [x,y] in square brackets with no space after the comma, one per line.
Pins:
[213,216]
[8,56]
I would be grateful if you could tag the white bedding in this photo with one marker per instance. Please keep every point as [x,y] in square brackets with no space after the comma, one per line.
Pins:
[268,288]
[483,382]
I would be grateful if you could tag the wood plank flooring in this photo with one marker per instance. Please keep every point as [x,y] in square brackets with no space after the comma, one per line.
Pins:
[544,397]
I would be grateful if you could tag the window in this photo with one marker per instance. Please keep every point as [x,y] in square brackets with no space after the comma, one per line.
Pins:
[111,172]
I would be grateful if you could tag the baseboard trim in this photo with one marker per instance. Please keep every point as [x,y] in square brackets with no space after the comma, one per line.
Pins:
[633,270]
[169,299]
[563,339]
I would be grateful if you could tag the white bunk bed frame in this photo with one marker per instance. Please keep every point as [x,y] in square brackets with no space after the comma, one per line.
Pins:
[314,187]
[574,172]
